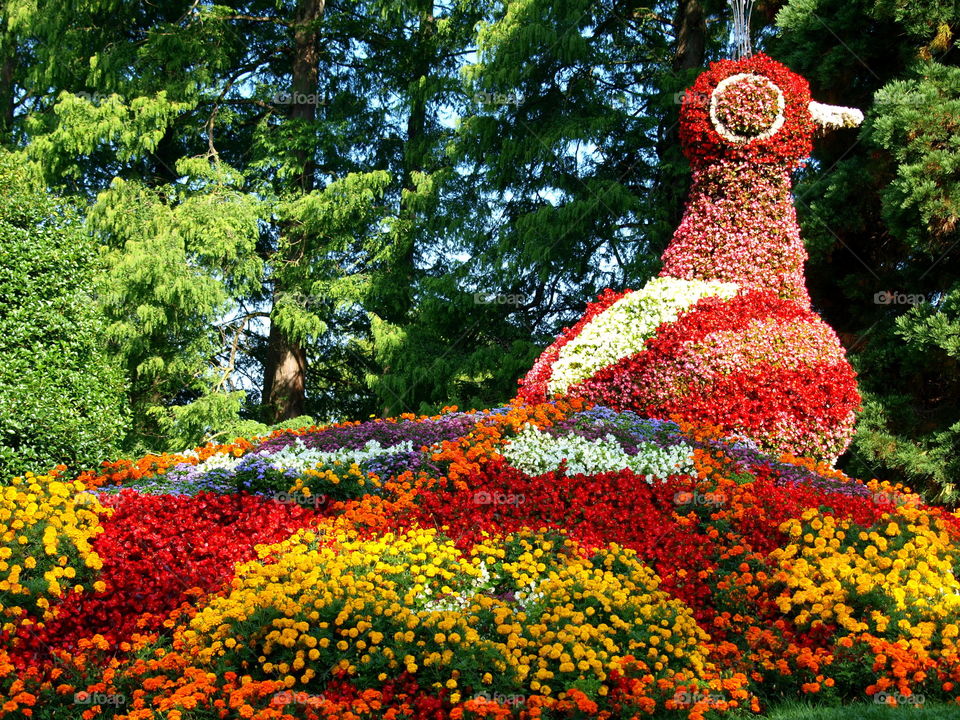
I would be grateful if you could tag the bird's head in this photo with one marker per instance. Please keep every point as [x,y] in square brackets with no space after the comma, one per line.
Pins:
[754,109]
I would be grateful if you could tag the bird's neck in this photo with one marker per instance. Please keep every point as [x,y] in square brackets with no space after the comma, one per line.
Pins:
[740,226]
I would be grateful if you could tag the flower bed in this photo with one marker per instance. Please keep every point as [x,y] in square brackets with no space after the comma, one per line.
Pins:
[558,560]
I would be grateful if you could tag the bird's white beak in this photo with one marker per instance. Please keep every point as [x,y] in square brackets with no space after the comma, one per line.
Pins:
[833,117]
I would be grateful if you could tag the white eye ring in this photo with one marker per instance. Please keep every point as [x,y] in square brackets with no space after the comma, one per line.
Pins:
[725,132]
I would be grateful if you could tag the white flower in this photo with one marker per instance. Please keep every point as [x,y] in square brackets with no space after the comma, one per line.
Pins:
[459,601]
[728,134]
[220,461]
[623,328]
[833,117]
[535,453]
[299,457]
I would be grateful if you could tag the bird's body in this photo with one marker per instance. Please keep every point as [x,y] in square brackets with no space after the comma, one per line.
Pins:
[740,226]
[725,335]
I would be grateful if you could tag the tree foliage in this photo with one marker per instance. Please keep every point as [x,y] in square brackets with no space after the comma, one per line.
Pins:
[880,215]
[61,395]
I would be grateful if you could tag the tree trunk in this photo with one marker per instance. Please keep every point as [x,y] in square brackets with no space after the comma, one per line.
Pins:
[285,374]
[8,67]
[691,29]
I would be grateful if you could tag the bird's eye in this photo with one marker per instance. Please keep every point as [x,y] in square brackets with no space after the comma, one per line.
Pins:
[746,107]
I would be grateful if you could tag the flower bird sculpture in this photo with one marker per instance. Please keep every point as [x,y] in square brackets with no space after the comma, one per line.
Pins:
[725,335]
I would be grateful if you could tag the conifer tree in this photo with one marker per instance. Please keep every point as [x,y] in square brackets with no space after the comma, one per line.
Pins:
[880,212]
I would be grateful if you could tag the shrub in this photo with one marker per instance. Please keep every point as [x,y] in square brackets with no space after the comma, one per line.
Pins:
[61,395]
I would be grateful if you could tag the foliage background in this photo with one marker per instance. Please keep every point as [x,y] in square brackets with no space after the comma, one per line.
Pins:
[374,206]
[62,395]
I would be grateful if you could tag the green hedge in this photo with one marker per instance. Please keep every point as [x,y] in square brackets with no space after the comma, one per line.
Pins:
[61,397]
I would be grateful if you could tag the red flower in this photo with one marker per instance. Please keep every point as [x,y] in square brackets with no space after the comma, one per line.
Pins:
[703,145]
[158,551]
[755,365]
[533,387]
